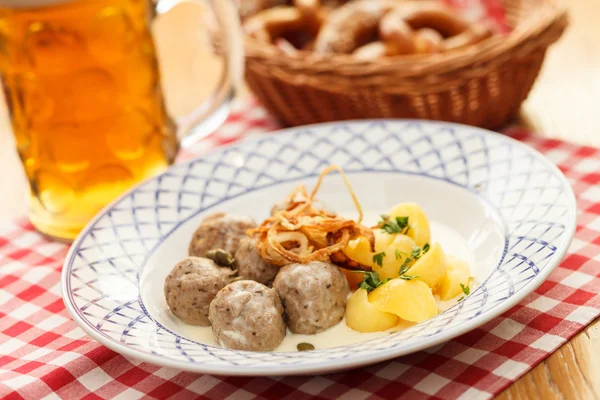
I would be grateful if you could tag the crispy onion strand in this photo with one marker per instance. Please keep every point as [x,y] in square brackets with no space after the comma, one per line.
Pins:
[346,181]
[298,231]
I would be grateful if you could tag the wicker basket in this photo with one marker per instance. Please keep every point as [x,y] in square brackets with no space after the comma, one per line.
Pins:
[481,85]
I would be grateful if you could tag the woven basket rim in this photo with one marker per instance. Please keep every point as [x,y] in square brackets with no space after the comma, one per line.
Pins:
[544,19]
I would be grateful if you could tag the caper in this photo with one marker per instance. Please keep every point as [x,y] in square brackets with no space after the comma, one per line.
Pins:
[221,257]
[305,346]
[238,278]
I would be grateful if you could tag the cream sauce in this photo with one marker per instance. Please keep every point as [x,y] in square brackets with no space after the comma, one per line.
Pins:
[340,335]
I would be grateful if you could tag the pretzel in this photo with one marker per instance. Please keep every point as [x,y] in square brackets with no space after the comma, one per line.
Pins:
[318,7]
[367,29]
[420,27]
[308,6]
[331,4]
[399,33]
[407,41]
[274,22]
[428,40]
[247,8]
[475,34]
[375,50]
[351,26]
[428,14]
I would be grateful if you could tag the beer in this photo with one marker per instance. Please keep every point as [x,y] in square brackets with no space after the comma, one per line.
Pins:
[82,86]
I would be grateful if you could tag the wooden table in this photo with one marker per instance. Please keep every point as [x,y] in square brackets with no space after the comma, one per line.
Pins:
[563,104]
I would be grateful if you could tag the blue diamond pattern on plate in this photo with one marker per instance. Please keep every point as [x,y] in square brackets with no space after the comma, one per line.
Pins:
[525,189]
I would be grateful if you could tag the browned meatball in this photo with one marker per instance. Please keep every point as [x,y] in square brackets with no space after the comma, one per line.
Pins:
[191,286]
[251,265]
[247,315]
[313,296]
[220,231]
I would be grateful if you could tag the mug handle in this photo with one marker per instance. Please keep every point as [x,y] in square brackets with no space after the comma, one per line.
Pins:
[208,116]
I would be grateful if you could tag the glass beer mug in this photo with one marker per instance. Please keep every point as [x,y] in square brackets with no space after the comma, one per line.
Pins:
[82,86]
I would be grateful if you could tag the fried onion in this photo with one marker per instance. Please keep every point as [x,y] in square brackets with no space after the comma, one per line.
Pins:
[299,231]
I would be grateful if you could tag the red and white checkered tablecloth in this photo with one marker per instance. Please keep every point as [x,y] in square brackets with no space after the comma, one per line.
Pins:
[43,354]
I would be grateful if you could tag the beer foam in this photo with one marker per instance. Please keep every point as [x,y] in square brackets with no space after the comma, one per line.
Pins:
[30,3]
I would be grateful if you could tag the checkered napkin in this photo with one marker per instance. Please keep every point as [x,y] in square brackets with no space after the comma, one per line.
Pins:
[43,354]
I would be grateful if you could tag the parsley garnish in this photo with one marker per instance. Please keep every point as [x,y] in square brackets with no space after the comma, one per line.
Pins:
[394,225]
[378,258]
[405,266]
[399,254]
[371,280]
[416,253]
[408,277]
[462,298]
[466,290]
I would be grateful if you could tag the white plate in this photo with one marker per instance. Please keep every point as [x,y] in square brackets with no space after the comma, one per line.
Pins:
[511,206]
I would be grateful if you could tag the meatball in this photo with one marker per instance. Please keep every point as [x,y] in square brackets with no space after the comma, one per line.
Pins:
[191,286]
[220,231]
[251,265]
[313,296]
[247,315]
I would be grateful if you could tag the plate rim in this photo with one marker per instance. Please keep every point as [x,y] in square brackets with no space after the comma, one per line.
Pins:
[341,364]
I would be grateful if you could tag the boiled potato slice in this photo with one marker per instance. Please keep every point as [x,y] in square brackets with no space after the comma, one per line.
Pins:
[417,221]
[390,265]
[382,240]
[457,272]
[409,300]
[362,316]
[359,251]
[430,267]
